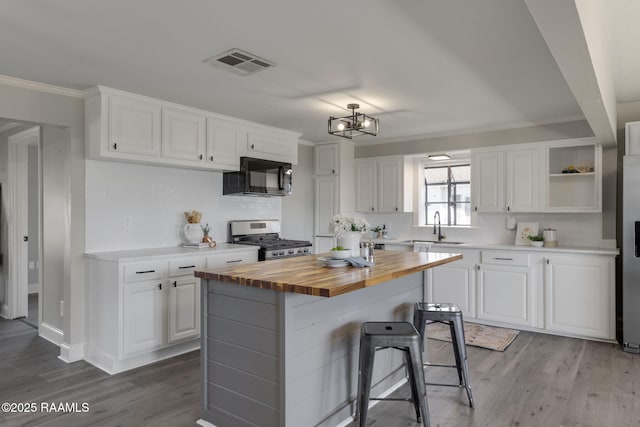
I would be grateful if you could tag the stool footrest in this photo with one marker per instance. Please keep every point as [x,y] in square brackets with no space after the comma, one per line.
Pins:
[439,365]
[447,385]
[397,399]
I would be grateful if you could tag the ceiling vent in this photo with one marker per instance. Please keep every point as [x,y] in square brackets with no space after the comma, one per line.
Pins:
[240,62]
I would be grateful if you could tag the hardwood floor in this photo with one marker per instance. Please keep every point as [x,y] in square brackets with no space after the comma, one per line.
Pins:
[163,394]
[540,380]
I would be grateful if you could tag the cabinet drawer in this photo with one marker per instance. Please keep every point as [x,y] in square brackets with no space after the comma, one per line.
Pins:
[185,266]
[235,257]
[150,270]
[505,258]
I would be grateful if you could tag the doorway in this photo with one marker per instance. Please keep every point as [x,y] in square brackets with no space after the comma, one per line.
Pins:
[23,219]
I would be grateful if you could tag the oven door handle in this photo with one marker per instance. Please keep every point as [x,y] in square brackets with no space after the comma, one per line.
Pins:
[281,178]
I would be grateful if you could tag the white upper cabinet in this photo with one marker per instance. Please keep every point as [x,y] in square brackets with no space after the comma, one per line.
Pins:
[522,178]
[134,127]
[326,158]
[555,176]
[487,182]
[222,142]
[384,185]
[573,178]
[366,186]
[271,145]
[183,135]
[126,127]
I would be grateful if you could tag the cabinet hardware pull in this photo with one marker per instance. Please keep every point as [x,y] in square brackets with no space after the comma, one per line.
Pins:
[333,171]
[372,209]
[548,261]
[234,260]
[115,145]
[186,266]
[477,267]
[396,209]
[175,284]
[160,286]
[200,156]
[504,259]
[211,158]
[475,208]
[145,271]
[252,146]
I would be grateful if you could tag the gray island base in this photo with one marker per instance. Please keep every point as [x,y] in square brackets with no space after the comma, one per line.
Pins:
[272,358]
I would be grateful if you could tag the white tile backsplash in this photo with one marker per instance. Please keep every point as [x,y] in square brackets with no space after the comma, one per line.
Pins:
[574,229]
[155,198]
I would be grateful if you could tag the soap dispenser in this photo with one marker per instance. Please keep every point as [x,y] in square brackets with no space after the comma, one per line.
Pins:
[384,231]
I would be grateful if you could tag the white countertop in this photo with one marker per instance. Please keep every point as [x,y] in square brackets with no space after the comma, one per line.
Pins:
[168,252]
[496,246]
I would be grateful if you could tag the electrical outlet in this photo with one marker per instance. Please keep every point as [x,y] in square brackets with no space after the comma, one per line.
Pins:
[61,308]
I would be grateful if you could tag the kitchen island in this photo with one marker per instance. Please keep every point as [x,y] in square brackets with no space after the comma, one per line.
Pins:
[280,338]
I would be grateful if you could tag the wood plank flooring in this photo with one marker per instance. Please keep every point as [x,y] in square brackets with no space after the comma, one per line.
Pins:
[540,380]
[163,394]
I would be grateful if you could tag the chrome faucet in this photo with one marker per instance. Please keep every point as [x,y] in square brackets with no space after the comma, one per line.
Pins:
[440,236]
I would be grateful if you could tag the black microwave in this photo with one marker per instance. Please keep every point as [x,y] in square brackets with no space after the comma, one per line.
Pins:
[258,177]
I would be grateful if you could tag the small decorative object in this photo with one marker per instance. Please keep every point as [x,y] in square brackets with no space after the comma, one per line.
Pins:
[525,229]
[377,232]
[348,230]
[192,230]
[536,240]
[193,217]
[206,238]
[340,252]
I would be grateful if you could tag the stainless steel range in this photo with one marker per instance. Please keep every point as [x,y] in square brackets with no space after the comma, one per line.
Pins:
[266,234]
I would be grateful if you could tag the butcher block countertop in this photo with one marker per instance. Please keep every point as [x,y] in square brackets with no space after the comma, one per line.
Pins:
[308,275]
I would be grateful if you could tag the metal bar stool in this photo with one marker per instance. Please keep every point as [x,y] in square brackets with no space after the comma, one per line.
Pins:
[403,336]
[449,314]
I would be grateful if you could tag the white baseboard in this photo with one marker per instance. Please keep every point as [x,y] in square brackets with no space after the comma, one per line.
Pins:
[4,311]
[71,353]
[50,333]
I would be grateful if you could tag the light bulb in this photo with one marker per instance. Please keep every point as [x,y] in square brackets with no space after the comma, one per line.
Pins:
[367,123]
[340,126]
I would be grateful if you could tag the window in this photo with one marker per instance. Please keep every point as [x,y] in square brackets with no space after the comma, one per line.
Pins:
[448,191]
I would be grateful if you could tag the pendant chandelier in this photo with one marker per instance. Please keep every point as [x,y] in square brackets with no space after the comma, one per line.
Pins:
[354,125]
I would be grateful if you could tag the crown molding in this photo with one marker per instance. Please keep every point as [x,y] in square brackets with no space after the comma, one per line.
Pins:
[41,87]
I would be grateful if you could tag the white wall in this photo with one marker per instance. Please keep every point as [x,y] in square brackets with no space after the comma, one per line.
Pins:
[577,230]
[131,206]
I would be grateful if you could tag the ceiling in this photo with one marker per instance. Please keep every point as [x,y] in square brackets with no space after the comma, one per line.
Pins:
[421,67]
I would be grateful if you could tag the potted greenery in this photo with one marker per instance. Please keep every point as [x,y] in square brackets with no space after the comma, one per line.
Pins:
[340,252]
[536,240]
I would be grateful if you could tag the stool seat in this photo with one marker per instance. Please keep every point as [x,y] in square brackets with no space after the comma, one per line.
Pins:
[400,336]
[451,315]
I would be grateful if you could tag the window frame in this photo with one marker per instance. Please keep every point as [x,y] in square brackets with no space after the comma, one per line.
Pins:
[424,220]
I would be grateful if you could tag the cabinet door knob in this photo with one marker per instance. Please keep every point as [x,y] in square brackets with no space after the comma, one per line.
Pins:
[160,286]
[175,283]
[253,146]
[200,156]
[333,171]
[211,158]
[508,208]
[115,145]
[396,209]
[475,208]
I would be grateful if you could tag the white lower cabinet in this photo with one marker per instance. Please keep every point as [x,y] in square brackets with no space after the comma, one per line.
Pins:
[456,283]
[144,311]
[565,293]
[143,316]
[183,309]
[580,295]
[504,294]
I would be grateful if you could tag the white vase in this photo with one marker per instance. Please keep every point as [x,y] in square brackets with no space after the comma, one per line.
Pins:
[193,233]
[351,241]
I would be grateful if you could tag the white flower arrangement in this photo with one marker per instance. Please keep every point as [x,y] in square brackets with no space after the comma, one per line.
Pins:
[342,224]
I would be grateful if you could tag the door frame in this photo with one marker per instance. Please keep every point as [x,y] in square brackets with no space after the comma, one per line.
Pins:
[17,257]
